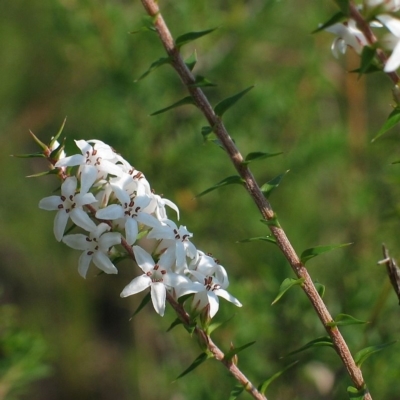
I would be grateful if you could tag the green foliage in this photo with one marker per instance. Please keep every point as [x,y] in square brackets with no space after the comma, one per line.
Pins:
[345,319]
[392,120]
[316,251]
[263,387]
[271,185]
[186,100]
[324,341]
[190,36]
[197,362]
[285,286]
[230,180]
[229,102]
[363,354]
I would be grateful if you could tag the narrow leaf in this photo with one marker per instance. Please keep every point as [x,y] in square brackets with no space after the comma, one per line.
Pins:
[214,326]
[369,70]
[393,119]
[49,172]
[267,238]
[53,140]
[237,350]
[190,36]
[227,181]
[285,286]
[338,17]
[156,64]
[198,361]
[319,342]
[37,140]
[148,24]
[191,61]
[184,101]
[272,222]
[320,288]
[227,103]
[316,251]
[174,324]
[236,391]
[356,394]
[344,6]
[268,187]
[34,155]
[201,81]
[263,387]
[345,319]
[206,131]
[363,354]
[258,155]
[367,57]
[144,301]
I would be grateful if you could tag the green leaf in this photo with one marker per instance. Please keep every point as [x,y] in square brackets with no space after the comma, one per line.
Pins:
[393,119]
[320,288]
[58,134]
[263,387]
[144,301]
[34,155]
[214,326]
[156,64]
[338,17]
[201,82]
[258,155]
[316,251]
[39,142]
[191,61]
[367,58]
[344,6]
[148,24]
[369,70]
[174,324]
[237,350]
[236,391]
[286,285]
[230,180]
[267,238]
[345,319]
[356,394]
[189,37]
[272,222]
[49,172]
[268,187]
[227,103]
[206,132]
[184,101]
[323,341]
[56,153]
[198,361]
[363,354]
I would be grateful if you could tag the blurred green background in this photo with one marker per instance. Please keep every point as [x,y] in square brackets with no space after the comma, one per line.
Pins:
[75,58]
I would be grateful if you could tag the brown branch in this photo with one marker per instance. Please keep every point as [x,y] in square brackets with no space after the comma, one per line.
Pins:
[255,192]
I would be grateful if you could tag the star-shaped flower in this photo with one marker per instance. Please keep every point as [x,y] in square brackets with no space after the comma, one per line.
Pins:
[69,205]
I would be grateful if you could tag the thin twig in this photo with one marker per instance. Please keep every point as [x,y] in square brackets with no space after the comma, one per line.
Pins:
[255,192]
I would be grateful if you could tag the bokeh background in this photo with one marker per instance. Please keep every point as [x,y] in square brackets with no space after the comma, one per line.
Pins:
[63,337]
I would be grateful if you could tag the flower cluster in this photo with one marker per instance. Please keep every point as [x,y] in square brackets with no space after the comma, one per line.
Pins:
[113,202]
[349,35]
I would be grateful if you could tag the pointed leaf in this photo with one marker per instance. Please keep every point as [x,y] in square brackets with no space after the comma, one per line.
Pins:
[227,181]
[34,155]
[184,101]
[191,61]
[267,238]
[263,387]
[53,140]
[272,222]
[356,394]
[201,82]
[214,326]
[206,132]
[236,391]
[198,361]
[345,319]
[393,119]
[369,70]
[144,301]
[156,64]
[39,142]
[258,155]
[49,172]
[174,324]
[367,58]
[189,37]
[338,17]
[344,6]
[148,24]
[268,187]
[237,350]
[286,285]
[319,342]
[363,354]
[227,103]
[316,251]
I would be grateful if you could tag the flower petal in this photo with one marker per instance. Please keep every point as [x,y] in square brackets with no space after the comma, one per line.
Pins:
[80,218]
[113,211]
[102,262]
[77,242]
[139,284]
[50,203]
[83,264]
[143,259]
[60,222]
[158,294]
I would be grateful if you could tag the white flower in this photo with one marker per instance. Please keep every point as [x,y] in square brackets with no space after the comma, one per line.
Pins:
[95,162]
[96,247]
[385,5]
[393,24]
[178,239]
[157,276]
[207,265]
[69,205]
[157,206]
[130,211]
[208,288]
[348,35]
